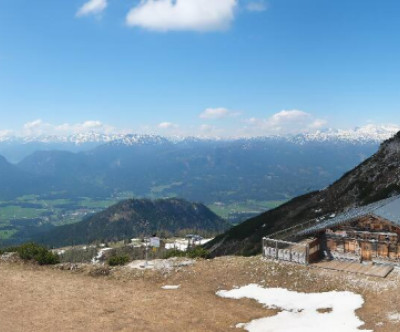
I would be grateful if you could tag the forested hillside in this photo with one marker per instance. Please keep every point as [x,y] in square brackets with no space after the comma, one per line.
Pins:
[138,218]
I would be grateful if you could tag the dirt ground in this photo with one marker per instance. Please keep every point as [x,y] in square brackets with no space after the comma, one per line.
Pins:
[44,299]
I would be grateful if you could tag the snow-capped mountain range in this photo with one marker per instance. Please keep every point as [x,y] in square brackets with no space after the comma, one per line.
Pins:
[368,133]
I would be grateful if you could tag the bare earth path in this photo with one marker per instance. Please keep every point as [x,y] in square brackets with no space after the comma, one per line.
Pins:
[48,299]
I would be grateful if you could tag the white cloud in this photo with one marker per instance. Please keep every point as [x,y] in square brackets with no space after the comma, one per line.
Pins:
[289,116]
[92,7]
[287,122]
[39,127]
[318,124]
[205,128]
[167,125]
[92,124]
[33,124]
[214,113]
[256,6]
[217,113]
[192,15]
[6,133]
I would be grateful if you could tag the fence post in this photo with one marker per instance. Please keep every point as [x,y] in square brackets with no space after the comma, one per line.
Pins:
[307,253]
[263,247]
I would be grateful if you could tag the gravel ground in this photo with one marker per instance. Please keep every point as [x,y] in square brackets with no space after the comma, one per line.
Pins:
[88,298]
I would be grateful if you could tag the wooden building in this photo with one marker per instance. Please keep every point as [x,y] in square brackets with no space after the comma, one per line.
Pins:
[367,233]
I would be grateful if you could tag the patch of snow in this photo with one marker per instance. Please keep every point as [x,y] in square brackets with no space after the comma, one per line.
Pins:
[99,255]
[7,256]
[204,241]
[142,265]
[394,317]
[182,244]
[159,264]
[179,244]
[300,310]
[171,287]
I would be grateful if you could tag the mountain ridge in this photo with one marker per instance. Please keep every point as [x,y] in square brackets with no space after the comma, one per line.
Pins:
[376,178]
[377,133]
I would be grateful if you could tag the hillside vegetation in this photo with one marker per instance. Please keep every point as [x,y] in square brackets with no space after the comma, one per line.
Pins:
[136,218]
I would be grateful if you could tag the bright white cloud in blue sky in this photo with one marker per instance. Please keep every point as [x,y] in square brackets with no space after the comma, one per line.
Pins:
[194,15]
[92,7]
[217,113]
[167,125]
[39,127]
[288,122]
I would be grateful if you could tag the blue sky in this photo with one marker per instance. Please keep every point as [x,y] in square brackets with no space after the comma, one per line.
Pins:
[213,67]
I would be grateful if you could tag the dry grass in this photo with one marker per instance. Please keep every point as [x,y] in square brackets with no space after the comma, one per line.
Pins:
[48,299]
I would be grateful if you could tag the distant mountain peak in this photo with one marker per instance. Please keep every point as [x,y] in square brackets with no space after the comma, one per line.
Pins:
[368,133]
[134,139]
[377,133]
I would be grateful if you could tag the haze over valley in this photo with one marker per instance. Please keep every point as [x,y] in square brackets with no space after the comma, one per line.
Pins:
[65,180]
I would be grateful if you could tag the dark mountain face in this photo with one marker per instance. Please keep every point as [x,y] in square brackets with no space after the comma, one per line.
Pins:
[16,151]
[376,178]
[15,182]
[207,171]
[74,174]
[133,218]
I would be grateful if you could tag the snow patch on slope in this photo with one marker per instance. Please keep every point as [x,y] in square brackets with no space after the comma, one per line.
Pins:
[301,312]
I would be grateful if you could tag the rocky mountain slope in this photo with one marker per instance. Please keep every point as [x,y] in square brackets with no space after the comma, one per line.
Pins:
[376,178]
[136,218]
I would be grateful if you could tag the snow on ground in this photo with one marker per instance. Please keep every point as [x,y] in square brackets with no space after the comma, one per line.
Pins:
[179,244]
[301,312]
[394,317]
[159,264]
[99,255]
[182,244]
[171,287]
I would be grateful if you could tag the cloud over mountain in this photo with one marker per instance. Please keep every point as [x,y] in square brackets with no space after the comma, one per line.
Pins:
[167,125]
[39,127]
[217,113]
[287,122]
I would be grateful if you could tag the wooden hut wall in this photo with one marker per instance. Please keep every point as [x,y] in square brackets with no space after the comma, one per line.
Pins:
[314,252]
[370,237]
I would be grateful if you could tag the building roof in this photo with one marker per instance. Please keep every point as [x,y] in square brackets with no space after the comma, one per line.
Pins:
[388,209]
